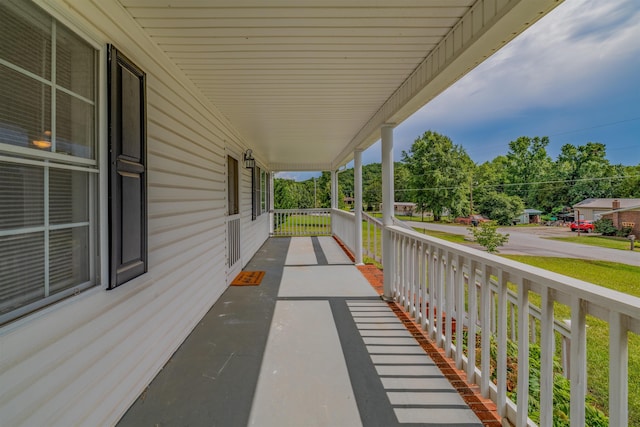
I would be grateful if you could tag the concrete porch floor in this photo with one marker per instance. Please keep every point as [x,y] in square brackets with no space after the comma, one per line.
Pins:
[312,345]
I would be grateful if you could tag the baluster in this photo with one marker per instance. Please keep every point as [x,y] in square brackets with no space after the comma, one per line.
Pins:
[423,282]
[618,370]
[449,303]
[533,330]
[432,278]
[417,274]
[485,325]
[459,309]
[440,298]
[512,316]
[546,358]
[523,352]
[501,402]
[473,319]
[578,362]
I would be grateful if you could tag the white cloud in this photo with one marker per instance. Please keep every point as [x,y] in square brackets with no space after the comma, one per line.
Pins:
[563,59]
[297,176]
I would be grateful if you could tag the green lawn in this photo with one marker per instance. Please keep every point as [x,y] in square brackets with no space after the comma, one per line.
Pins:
[304,225]
[455,238]
[621,277]
[604,242]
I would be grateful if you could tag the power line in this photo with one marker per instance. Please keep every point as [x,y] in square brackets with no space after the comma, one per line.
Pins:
[513,184]
[596,127]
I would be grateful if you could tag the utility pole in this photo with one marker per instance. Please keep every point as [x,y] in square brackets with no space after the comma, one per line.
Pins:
[315,200]
[471,196]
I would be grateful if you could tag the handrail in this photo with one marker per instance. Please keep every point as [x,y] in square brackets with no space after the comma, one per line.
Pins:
[372,237]
[301,222]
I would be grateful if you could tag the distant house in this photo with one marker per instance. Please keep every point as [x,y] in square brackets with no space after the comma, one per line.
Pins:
[625,217]
[402,208]
[529,216]
[592,209]
[349,201]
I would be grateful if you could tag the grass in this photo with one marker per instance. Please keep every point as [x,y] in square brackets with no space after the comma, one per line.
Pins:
[303,225]
[455,238]
[620,277]
[601,241]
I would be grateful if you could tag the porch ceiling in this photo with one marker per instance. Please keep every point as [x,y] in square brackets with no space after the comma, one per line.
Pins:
[306,82]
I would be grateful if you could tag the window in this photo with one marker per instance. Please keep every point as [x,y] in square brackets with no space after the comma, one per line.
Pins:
[264,191]
[232,186]
[48,160]
[256,186]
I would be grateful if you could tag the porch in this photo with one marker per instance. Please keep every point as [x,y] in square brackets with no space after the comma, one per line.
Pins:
[313,344]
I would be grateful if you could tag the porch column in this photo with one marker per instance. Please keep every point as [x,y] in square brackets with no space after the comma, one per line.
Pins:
[334,189]
[357,206]
[271,201]
[387,207]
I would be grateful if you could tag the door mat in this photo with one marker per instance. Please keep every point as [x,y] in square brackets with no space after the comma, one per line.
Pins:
[248,278]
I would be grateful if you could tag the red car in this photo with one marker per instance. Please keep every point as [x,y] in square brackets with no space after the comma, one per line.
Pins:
[469,220]
[582,225]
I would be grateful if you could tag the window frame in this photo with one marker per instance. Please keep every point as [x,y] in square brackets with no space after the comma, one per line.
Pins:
[236,185]
[48,161]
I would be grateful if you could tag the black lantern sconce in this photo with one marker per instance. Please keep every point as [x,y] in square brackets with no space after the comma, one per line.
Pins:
[249,161]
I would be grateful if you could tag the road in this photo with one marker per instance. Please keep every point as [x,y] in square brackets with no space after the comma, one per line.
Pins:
[532,241]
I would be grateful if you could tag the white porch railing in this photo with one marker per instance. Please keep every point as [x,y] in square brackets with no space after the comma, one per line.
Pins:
[431,280]
[371,237]
[343,224]
[301,222]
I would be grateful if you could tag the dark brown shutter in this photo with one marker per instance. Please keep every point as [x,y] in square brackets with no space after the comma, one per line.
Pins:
[128,178]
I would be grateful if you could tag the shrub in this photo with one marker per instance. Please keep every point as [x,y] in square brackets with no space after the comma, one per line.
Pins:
[624,232]
[594,417]
[605,227]
[486,234]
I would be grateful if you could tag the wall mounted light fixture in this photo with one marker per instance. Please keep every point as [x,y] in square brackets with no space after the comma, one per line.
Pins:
[249,161]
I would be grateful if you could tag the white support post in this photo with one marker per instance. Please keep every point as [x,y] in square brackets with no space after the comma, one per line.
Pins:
[357,173]
[271,202]
[334,190]
[387,208]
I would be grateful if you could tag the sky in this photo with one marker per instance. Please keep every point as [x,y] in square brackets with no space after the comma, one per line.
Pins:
[574,76]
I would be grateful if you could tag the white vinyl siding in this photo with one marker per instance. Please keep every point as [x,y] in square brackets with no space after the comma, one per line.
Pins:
[84,360]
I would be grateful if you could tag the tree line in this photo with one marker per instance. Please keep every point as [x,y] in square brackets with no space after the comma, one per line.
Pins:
[441,178]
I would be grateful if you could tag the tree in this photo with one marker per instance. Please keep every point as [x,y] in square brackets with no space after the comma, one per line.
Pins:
[630,185]
[401,182]
[440,173]
[527,162]
[372,195]
[486,234]
[500,207]
[583,169]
